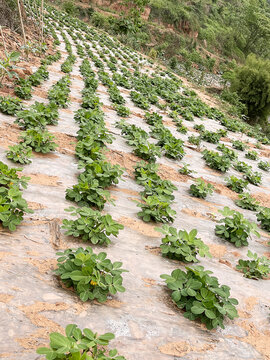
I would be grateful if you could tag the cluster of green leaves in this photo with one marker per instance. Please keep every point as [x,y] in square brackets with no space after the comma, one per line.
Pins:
[241,166]
[172,147]
[39,76]
[23,89]
[157,195]
[140,100]
[210,136]
[12,205]
[67,65]
[246,201]
[229,153]
[235,228]
[115,95]
[201,296]
[239,145]
[20,153]
[264,165]
[10,105]
[49,59]
[182,245]
[59,92]
[79,345]
[93,276]
[256,268]
[38,115]
[201,189]
[252,155]
[184,170]
[40,140]
[137,138]
[91,225]
[91,184]
[253,177]
[215,161]
[236,184]
[263,216]
[122,110]
[194,140]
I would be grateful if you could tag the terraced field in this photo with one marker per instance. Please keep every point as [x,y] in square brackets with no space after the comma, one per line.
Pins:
[137,156]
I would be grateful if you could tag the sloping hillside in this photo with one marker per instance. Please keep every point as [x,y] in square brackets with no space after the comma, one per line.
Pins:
[109,108]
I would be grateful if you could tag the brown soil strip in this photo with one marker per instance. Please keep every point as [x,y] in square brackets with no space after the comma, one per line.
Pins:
[66,143]
[126,160]
[182,348]
[217,251]
[5,298]
[42,179]
[263,198]
[140,226]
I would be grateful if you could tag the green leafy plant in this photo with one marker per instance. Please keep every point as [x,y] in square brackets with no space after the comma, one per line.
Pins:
[93,276]
[88,193]
[252,155]
[201,296]
[211,137]
[10,105]
[201,189]
[23,89]
[182,245]
[20,153]
[12,205]
[184,170]
[236,184]
[156,208]
[239,145]
[236,229]
[106,173]
[254,178]
[91,225]
[122,110]
[8,65]
[38,115]
[39,140]
[246,201]
[242,166]
[256,268]
[79,345]
[263,217]
[194,140]
[231,154]
[216,161]
[264,165]
[39,76]
[59,92]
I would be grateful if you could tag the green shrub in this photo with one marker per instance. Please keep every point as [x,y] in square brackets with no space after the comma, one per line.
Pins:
[236,229]
[194,140]
[39,140]
[184,170]
[79,345]
[20,153]
[91,226]
[256,268]
[242,166]
[235,184]
[251,82]
[229,153]
[263,217]
[156,208]
[254,178]
[252,155]
[216,161]
[239,145]
[93,276]
[23,89]
[264,165]
[122,110]
[12,205]
[201,189]
[246,201]
[10,105]
[201,296]
[38,115]
[181,245]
